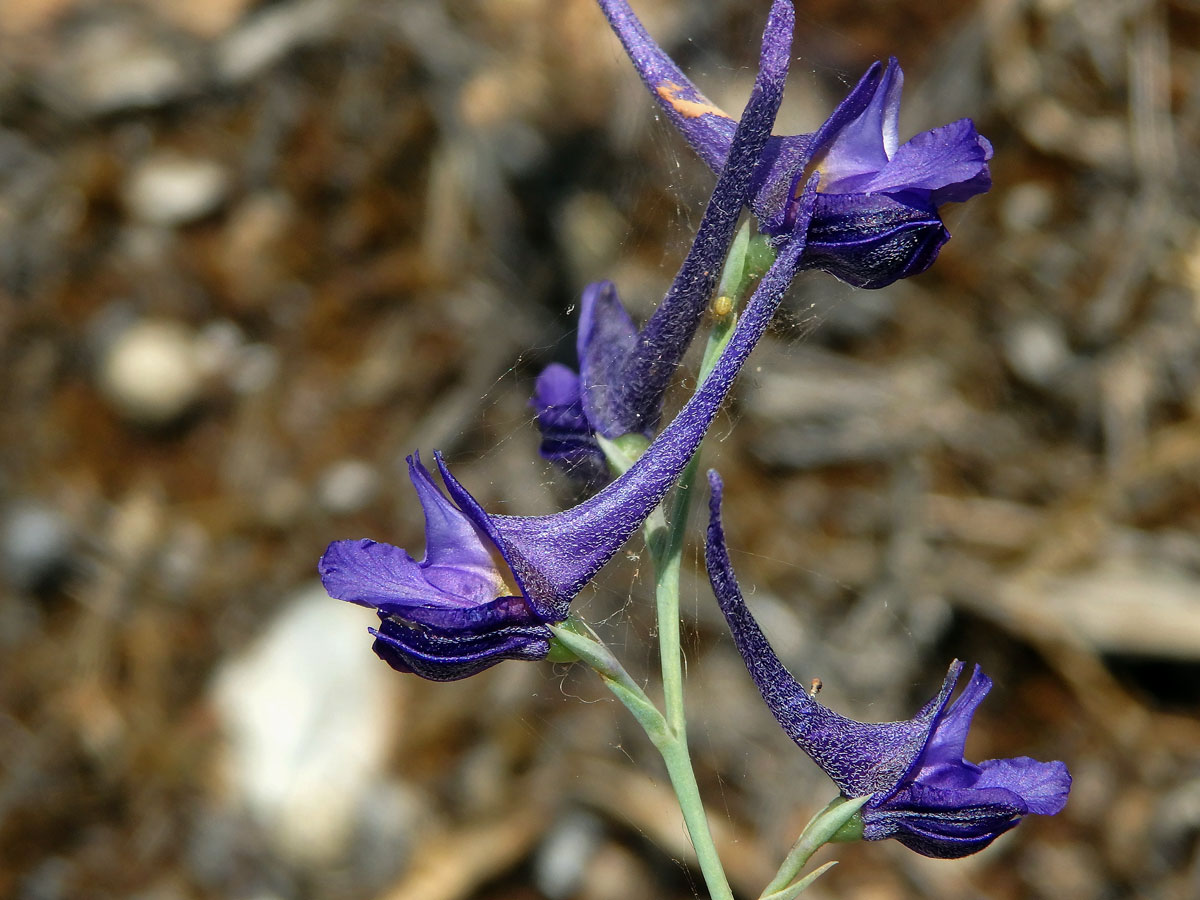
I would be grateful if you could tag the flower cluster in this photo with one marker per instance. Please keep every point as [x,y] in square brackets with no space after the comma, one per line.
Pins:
[452,614]
[874,220]
[848,199]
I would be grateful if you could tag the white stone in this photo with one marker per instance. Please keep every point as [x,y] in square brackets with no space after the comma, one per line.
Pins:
[35,541]
[150,372]
[113,67]
[559,864]
[1037,350]
[309,712]
[170,189]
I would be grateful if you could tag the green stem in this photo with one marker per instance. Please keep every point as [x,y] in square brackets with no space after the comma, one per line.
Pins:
[665,539]
[579,638]
[683,779]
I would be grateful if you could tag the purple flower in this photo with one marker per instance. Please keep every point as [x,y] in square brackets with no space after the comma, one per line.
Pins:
[624,372]
[568,439]
[923,793]
[456,612]
[876,216]
[449,615]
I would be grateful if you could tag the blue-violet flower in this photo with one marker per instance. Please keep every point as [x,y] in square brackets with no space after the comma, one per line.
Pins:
[876,216]
[454,613]
[624,372]
[923,793]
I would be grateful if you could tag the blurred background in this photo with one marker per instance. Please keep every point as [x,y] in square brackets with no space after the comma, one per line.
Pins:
[254,253]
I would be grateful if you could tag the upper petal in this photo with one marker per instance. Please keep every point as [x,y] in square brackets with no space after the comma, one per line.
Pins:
[786,158]
[947,744]
[851,146]
[451,540]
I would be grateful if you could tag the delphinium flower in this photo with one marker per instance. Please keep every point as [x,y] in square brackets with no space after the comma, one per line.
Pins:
[623,371]
[876,216]
[922,791]
[454,613]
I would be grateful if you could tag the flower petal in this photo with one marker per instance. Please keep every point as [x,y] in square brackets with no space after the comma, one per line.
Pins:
[872,240]
[944,824]
[607,338]
[862,144]
[1043,786]
[949,740]
[951,155]
[567,437]
[369,573]
[451,540]
[783,165]
[448,658]
[499,612]
[386,577]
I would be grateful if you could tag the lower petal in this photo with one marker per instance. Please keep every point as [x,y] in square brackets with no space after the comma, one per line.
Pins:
[871,240]
[444,658]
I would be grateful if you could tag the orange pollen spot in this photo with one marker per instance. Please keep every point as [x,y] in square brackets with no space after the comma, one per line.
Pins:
[689,109]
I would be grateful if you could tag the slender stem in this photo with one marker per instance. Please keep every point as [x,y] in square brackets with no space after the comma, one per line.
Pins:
[665,537]
[683,778]
[666,545]
[666,550]
[579,638]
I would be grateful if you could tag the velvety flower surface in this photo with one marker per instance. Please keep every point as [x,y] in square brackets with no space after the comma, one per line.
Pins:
[453,614]
[923,792]
[623,371]
[876,215]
